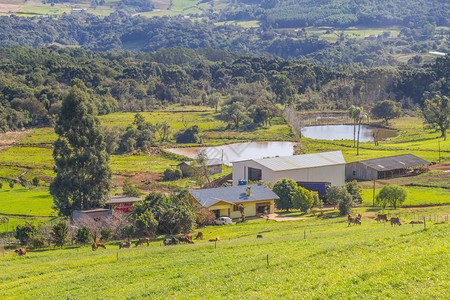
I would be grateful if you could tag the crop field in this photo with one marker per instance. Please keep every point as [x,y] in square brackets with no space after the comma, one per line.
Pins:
[300,259]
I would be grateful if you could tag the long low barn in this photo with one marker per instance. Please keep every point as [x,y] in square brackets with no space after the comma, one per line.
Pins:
[315,167]
[224,202]
[385,167]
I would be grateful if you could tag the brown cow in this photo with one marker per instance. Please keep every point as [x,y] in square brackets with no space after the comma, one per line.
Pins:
[189,236]
[96,245]
[215,240]
[199,235]
[142,241]
[124,245]
[395,221]
[21,251]
[381,217]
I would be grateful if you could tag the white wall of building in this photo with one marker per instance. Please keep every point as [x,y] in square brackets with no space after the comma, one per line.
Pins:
[334,173]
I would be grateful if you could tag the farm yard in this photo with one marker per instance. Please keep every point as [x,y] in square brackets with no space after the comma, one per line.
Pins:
[301,259]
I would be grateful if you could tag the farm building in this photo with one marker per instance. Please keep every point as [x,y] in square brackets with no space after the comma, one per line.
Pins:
[214,167]
[122,203]
[325,167]
[385,167]
[224,202]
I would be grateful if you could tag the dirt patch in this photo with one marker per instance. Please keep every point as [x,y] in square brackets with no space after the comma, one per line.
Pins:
[11,138]
[145,181]
[443,167]
[9,8]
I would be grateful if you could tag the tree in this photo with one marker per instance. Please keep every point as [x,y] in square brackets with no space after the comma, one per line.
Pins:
[214,101]
[83,176]
[437,113]
[200,168]
[354,190]
[387,110]
[59,233]
[35,181]
[282,87]
[234,113]
[392,194]
[284,189]
[353,113]
[82,235]
[345,202]
[25,232]
[147,223]
[130,189]
[332,195]
[361,118]
[190,135]
[302,199]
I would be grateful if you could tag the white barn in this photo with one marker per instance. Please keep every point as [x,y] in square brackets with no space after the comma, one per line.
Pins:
[314,167]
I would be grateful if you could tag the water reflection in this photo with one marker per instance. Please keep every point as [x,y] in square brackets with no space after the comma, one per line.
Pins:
[345,132]
[240,151]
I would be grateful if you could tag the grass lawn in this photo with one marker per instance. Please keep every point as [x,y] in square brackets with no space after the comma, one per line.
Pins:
[417,196]
[26,201]
[333,262]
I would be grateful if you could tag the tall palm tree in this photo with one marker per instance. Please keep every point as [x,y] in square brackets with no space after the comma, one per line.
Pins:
[354,113]
[362,116]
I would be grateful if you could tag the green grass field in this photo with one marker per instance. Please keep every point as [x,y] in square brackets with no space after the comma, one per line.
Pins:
[335,261]
[26,201]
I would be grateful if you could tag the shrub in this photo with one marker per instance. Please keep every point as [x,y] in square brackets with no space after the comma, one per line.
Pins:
[82,235]
[25,232]
[345,202]
[130,189]
[37,242]
[1,185]
[170,174]
[302,199]
[392,194]
[11,184]
[284,189]
[190,135]
[35,181]
[59,233]
[106,234]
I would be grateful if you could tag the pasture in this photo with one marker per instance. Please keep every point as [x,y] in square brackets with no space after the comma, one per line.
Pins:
[307,259]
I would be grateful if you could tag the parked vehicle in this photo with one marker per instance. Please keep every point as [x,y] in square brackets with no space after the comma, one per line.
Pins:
[223,221]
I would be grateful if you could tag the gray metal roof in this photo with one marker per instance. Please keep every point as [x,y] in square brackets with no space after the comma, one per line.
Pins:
[395,162]
[303,161]
[233,194]
[122,199]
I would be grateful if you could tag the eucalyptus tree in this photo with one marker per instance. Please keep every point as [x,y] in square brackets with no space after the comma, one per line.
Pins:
[83,175]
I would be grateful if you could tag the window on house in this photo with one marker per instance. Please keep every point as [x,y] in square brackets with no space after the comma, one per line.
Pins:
[235,207]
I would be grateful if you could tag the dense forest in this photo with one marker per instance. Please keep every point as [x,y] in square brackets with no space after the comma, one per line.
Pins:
[32,82]
[119,32]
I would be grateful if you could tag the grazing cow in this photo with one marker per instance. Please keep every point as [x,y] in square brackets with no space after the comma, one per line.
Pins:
[259,236]
[381,217]
[191,242]
[21,251]
[215,240]
[167,242]
[142,242]
[183,239]
[395,221]
[189,236]
[124,245]
[356,221]
[96,245]
[199,235]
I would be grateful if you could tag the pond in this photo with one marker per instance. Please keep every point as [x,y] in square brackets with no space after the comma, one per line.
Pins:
[239,151]
[345,132]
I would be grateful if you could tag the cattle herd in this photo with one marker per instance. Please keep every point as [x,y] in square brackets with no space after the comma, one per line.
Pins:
[188,237]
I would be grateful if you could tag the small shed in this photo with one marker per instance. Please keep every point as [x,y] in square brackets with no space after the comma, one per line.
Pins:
[122,203]
[95,214]
[214,167]
[385,167]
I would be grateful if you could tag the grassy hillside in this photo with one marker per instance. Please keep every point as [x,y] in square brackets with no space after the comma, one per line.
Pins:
[334,261]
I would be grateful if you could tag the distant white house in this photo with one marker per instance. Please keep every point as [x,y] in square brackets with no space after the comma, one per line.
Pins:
[315,167]
[437,53]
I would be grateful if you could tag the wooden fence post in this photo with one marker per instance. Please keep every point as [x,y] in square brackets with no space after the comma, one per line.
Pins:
[267,259]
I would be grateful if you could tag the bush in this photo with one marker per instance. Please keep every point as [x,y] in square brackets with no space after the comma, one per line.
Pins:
[392,194]
[82,235]
[106,234]
[345,202]
[59,233]
[130,189]
[37,242]
[190,135]
[11,184]
[25,232]
[1,185]
[35,181]
[302,199]
[170,174]
[284,189]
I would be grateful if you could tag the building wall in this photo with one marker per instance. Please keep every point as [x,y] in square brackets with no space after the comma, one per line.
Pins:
[249,209]
[334,174]
[356,170]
